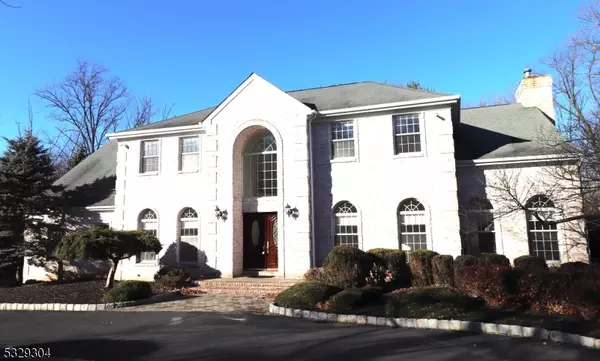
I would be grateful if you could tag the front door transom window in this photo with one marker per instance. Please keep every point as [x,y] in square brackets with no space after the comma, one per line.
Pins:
[260,165]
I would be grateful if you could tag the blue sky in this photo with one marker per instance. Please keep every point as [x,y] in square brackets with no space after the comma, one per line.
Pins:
[194,53]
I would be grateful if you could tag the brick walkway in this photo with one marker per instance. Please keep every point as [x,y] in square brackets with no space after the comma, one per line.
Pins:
[210,303]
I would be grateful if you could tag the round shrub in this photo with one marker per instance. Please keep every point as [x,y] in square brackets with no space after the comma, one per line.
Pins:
[397,271]
[497,285]
[372,294]
[465,261]
[314,274]
[172,277]
[347,267]
[530,262]
[431,302]
[443,270]
[305,295]
[128,291]
[494,259]
[351,298]
[421,267]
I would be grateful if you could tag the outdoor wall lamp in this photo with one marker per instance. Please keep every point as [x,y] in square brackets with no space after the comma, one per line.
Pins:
[220,214]
[291,212]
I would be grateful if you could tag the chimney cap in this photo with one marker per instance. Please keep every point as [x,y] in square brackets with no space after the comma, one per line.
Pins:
[527,72]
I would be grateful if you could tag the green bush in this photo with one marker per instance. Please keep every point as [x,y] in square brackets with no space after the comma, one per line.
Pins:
[172,277]
[397,271]
[494,259]
[352,298]
[443,270]
[306,295]
[574,266]
[372,294]
[314,274]
[128,291]
[431,302]
[461,262]
[421,267]
[347,267]
[530,262]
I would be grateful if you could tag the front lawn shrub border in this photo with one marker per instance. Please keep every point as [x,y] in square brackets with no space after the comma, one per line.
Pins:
[159,297]
[448,325]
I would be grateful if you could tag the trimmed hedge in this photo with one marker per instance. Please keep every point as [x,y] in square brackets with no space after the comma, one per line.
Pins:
[494,259]
[396,270]
[314,274]
[351,298]
[431,302]
[347,267]
[306,295]
[443,270]
[497,285]
[574,266]
[172,277]
[421,267]
[530,262]
[128,291]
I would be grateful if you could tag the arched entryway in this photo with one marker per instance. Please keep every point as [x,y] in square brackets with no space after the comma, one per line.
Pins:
[257,198]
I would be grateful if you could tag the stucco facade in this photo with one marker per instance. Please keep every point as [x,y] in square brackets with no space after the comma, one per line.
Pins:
[307,183]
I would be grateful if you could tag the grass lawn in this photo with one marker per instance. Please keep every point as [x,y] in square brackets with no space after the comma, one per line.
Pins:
[77,292]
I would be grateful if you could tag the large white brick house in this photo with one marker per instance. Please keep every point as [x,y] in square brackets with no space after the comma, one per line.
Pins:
[271,180]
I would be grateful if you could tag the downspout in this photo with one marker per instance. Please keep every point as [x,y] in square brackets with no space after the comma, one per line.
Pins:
[310,118]
[123,203]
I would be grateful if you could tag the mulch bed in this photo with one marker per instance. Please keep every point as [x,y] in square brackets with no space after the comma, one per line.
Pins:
[55,292]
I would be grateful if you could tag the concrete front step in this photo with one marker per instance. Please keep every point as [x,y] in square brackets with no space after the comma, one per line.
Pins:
[240,286]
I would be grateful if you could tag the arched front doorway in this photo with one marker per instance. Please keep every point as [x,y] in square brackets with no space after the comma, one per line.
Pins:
[257,192]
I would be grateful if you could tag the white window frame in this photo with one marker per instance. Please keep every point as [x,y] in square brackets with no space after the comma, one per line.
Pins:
[356,217]
[473,214]
[180,237]
[181,155]
[553,211]
[250,158]
[421,132]
[332,141]
[142,222]
[400,213]
[142,157]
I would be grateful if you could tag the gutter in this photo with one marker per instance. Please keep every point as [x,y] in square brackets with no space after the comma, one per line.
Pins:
[514,160]
[310,118]
[156,132]
[389,106]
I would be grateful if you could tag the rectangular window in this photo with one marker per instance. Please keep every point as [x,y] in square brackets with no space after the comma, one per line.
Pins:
[342,140]
[407,134]
[148,256]
[149,156]
[481,232]
[543,236]
[189,154]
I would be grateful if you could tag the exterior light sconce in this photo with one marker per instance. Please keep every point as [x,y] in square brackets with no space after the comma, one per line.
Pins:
[291,212]
[220,214]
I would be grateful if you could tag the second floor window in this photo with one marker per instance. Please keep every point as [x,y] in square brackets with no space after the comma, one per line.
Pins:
[149,156]
[342,140]
[189,154]
[407,134]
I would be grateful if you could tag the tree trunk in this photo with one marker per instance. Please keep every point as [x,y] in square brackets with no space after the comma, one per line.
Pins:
[20,270]
[60,269]
[110,280]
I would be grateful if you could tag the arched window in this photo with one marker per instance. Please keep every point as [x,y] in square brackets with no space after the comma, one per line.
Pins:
[188,236]
[346,224]
[480,223]
[412,225]
[260,165]
[541,228]
[148,221]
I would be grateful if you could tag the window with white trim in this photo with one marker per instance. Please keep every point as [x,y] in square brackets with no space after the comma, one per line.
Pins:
[542,229]
[412,225]
[149,156]
[260,166]
[407,133]
[346,224]
[188,236]
[481,231]
[148,221]
[342,140]
[189,154]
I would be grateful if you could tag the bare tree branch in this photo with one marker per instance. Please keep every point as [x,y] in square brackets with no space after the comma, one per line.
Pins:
[10,5]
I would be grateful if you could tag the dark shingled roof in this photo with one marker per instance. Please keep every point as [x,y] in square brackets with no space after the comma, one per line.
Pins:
[485,132]
[503,131]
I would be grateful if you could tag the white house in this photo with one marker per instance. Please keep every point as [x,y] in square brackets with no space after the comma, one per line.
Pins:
[269,181]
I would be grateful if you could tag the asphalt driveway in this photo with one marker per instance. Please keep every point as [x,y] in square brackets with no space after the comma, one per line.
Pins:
[114,336]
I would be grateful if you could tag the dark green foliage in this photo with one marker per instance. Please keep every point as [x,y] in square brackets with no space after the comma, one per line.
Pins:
[431,302]
[352,298]
[530,262]
[372,293]
[396,270]
[443,270]
[574,266]
[347,267]
[314,274]
[78,156]
[494,259]
[461,262]
[497,285]
[421,267]
[172,277]
[306,295]
[128,291]
[100,243]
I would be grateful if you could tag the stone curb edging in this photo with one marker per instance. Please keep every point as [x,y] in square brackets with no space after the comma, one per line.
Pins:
[448,325]
[88,306]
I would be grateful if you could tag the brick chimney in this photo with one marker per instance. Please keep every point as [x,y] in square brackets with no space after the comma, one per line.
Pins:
[536,91]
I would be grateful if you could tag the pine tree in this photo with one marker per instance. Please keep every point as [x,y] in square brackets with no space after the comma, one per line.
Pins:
[27,195]
[79,155]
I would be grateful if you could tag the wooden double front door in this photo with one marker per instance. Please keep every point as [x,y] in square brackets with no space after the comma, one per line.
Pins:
[260,241]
